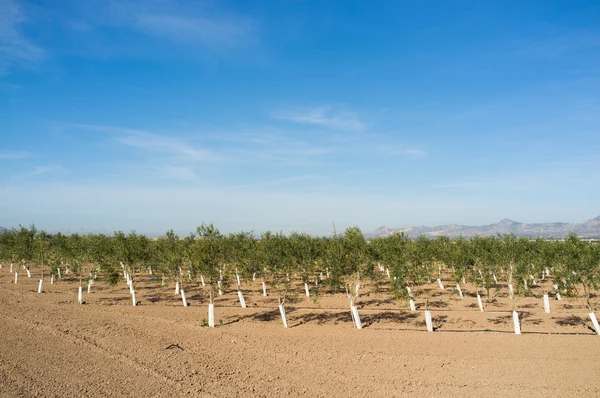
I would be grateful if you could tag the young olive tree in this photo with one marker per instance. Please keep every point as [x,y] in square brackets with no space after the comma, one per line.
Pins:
[581,268]
[8,247]
[25,246]
[304,254]
[346,259]
[275,255]
[394,254]
[102,252]
[170,252]
[206,254]
[239,255]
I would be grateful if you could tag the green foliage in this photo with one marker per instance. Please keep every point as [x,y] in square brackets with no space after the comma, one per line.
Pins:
[281,260]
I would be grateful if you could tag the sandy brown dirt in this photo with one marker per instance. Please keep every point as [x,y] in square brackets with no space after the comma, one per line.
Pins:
[51,346]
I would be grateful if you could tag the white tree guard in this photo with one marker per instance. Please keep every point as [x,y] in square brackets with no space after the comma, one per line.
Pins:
[211,315]
[356,317]
[183,299]
[595,322]
[428,321]
[479,303]
[516,323]
[283,316]
[460,293]
[241,297]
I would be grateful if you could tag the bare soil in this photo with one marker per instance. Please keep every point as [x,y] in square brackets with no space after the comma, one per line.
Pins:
[50,346]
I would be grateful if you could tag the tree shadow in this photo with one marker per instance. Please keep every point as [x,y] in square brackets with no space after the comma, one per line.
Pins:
[438,304]
[528,306]
[389,316]
[322,318]
[571,320]
[230,321]
[525,315]
[574,320]
[295,299]
[493,302]
[501,320]
[375,302]
[118,300]
[438,321]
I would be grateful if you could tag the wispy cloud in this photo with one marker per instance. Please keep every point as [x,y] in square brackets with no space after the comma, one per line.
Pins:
[401,151]
[38,171]
[15,48]
[323,116]
[177,172]
[560,178]
[153,142]
[280,181]
[10,155]
[189,22]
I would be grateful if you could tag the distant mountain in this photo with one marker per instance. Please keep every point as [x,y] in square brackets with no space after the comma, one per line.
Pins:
[587,229]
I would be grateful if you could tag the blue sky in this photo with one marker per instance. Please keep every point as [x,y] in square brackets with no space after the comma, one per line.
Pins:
[286,115]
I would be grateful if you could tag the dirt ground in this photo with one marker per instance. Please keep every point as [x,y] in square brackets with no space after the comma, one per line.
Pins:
[51,346]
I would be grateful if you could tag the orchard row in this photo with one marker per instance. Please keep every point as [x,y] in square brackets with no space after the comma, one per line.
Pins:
[216,262]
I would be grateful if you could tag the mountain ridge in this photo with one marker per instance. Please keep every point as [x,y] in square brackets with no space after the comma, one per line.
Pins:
[586,229]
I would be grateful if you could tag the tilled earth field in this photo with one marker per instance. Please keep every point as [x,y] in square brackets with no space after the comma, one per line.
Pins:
[52,346]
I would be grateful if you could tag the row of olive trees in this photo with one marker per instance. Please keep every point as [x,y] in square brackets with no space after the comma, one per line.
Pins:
[214,262]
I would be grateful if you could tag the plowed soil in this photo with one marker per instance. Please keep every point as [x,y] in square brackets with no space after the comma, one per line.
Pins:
[50,346]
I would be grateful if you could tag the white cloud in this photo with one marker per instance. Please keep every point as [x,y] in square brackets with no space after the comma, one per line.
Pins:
[36,172]
[394,150]
[10,155]
[190,22]
[153,142]
[323,116]
[178,172]
[15,48]
[281,181]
